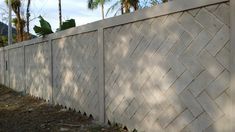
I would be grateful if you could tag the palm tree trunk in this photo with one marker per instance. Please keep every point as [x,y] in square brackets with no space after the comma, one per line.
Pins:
[19,25]
[60,13]
[102,10]
[136,5]
[127,6]
[28,15]
[122,10]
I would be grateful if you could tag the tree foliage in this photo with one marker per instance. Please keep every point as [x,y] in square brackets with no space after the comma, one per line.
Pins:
[125,6]
[3,41]
[67,24]
[44,29]
[19,21]
[93,4]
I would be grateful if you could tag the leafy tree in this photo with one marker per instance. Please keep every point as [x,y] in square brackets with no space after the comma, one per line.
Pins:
[124,6]
[93,4]
[67,24]
[44,29]
[3,41]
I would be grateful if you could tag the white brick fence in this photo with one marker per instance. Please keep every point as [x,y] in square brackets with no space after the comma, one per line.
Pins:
[166,68]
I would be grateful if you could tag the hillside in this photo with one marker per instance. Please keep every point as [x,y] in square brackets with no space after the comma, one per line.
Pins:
[4,29]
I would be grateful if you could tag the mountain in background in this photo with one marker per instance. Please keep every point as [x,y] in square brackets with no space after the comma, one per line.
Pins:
[4,29]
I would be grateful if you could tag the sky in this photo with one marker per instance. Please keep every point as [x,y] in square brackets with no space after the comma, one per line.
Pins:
[76,9]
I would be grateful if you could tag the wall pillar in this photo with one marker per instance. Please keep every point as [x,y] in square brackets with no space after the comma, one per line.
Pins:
[4,66]
[232,38]
[24,72]
[101,91]
[51,60]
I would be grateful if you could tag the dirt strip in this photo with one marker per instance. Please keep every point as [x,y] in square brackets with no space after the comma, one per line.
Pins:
[19,113]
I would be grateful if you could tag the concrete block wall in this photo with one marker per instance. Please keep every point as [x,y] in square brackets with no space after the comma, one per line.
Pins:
[75,72]
[16,69]
[38,70]
[166,68]
[166,73]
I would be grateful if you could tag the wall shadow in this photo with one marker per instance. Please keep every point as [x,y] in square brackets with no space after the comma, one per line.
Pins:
[75,72]
[170,73]
[38,70]
[16,69]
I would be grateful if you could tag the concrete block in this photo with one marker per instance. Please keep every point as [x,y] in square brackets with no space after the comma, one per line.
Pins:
[199,124]
[219,85]
[167,80]
[224,102]
[140,114]
[191,103]
[221,125]
[189,23]
[175,100]
[150,123]
[218,41]
[183,42]
[194,12]
[222,12]
[210,106]
[199,43]
[175,64]
[209,21]
[223,57]
[210,63]
[180,122]
[167,117]
[182,82]
[188,58]
[173,26]
[212,8]
[200,83]
[166,45]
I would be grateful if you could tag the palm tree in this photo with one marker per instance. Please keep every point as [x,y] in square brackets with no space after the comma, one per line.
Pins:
[19,22]
[116,7]
[126,6]
[134,4]
[28,15]
[93,4]
[60,13]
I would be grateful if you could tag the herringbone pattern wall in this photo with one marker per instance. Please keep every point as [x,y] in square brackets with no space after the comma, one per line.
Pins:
[16,69]
[38,70]
[170,73]
[2,67]
[75,72]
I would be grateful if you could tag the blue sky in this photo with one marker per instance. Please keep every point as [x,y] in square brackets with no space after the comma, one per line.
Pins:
[76,9]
